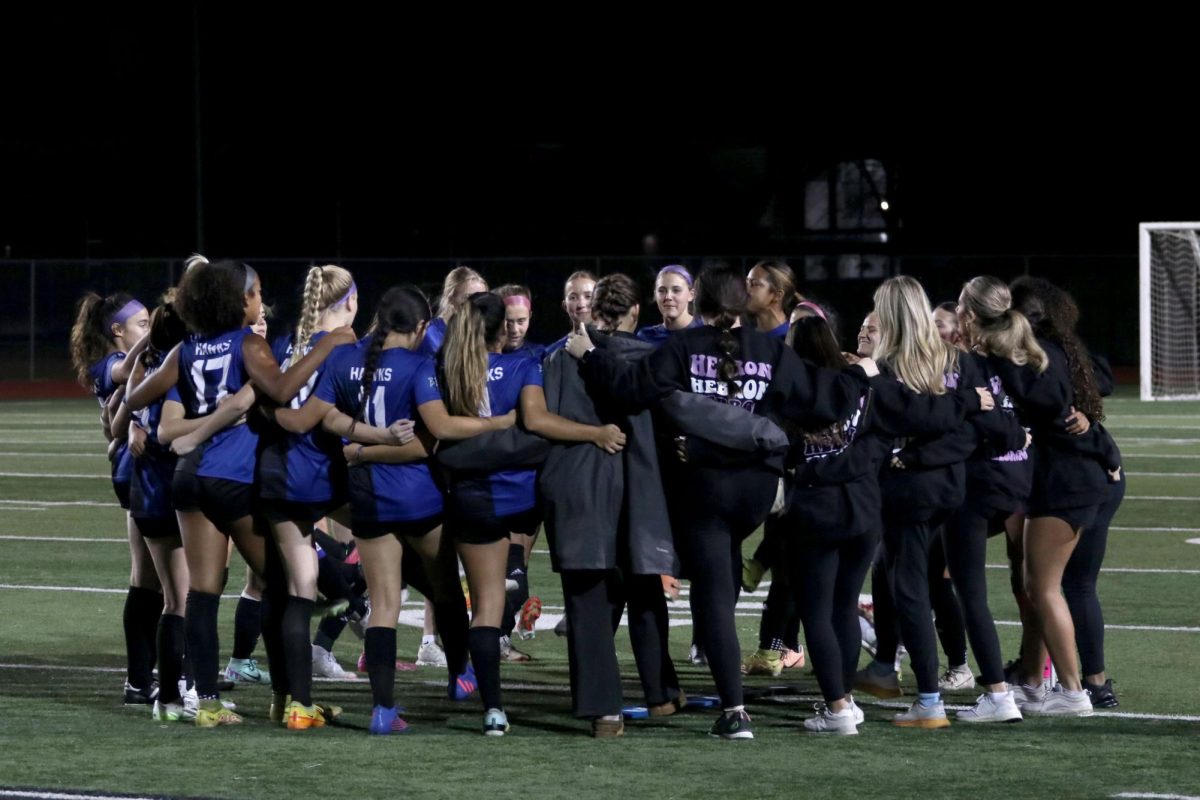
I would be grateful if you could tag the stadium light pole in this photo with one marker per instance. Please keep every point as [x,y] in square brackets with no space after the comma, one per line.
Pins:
[197,127]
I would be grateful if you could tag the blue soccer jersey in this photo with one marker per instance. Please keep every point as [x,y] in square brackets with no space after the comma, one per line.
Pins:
[296,467]
[509,491]
[150,490]
[435,333]
[209,370]
[103,387]
[657,334]
[384,492]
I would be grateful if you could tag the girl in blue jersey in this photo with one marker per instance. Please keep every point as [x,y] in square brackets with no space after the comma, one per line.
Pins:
[771,296]
[394,500]
[673,294]
[108,336]
[518,310]
[577,302]
[479,382]
[459,284]
[213,485]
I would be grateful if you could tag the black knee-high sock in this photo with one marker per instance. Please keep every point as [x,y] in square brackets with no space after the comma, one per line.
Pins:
[172,642]
[297,648]
[141,605]
[274,605]
[328,632]
[485,655]
[202,641]
[516,598]
[247,626]
[451,618]
[380,645]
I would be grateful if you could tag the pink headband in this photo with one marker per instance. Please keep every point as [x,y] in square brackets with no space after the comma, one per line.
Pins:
[127,311]
[813,307]
[517,300]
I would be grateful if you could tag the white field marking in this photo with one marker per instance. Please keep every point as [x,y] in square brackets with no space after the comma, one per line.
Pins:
[1164,474]
[54,538]
[87,590]
[1131,570]
[1192,541]
[15,454]
[1152,426]
[1156,796]
[1160,455]
[1155,440]
[1156,530]
[1107,627]
[17,508]
[1180,499]
[52,503]
[33,794]
[60,668]
[97,476]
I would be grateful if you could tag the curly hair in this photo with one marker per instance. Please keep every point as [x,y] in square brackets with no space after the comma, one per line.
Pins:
[613,298]
[91,336]
[1054,314]
[212,297]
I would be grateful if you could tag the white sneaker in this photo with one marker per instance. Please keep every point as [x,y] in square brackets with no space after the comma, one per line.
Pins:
[919,716]
[859,716]
[191,700]
[826,721]
[324,665]
[172,712]
[430,655]
[988,709]
[510,653]
[1059,703]
[495,722]
[956,679]
[697,657]
[246,670]
[1024,694]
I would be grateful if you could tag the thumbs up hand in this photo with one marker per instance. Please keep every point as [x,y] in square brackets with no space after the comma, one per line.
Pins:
[579,342]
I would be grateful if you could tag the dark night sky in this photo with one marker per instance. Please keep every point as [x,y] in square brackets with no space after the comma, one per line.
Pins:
[428,149]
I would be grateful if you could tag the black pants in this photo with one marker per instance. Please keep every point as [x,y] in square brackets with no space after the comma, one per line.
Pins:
[964,537]
[712,512]
[1079,583]
[594,600]
[907,542]
[887,626]
[828,577]
[780,616]
[947,613]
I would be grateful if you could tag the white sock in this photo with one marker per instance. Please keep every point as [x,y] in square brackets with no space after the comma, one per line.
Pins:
[1072,693]
[998,696]
[429,639]
[735,708]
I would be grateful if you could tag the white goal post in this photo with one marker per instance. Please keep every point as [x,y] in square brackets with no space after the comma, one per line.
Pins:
[1169,293]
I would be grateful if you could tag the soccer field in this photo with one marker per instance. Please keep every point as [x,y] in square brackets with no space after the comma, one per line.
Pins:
[64,568]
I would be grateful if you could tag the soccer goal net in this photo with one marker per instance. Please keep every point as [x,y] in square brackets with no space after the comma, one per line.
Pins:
[1169,292]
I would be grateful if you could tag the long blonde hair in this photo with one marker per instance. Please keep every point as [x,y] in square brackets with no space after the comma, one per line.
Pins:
[909,344]
[323,287]
[456,279]
[465,354]
[998,328]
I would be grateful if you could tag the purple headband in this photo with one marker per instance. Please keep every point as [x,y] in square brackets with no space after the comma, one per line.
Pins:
[127,311]
[352,290]
[251,277]
[813,307]
[679,270]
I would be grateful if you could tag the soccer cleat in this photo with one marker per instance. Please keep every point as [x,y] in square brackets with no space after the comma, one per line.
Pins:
[527,621]
[246,670]
[462,686]
[763,662]
[495,722]
[697,657]
[732,725]
[924,717]
[793,659]
[386,721]
[607,728]
[512,654]
[301,718]
[401,666]
[956,679]
[988,709]
[326,608]
[884,687]
[324,665]
[1058,703]
[1102,695]
[211,714]
[752,574]
[843,723]
[430,655]
[141,697]
[173,712]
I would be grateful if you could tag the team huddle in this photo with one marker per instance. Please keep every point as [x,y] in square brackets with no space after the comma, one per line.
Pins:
[439,446]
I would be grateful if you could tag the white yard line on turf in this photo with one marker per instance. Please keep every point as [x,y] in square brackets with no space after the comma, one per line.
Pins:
[15,454]
[1159,455]
[1156,530]
[94,476]
[84,589]
[54,538]
[1154,796]
[1155,440]
[37,795]
[1108,627]
[1157,498]
[1164,474]
[1132,570]
[89,503]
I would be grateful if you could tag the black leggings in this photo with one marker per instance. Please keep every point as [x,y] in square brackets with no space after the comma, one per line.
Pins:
[1079,583]
[907,545]
[829,577]
[712,512]
[781,615]
[964,537]
[887,627]
[947,613]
